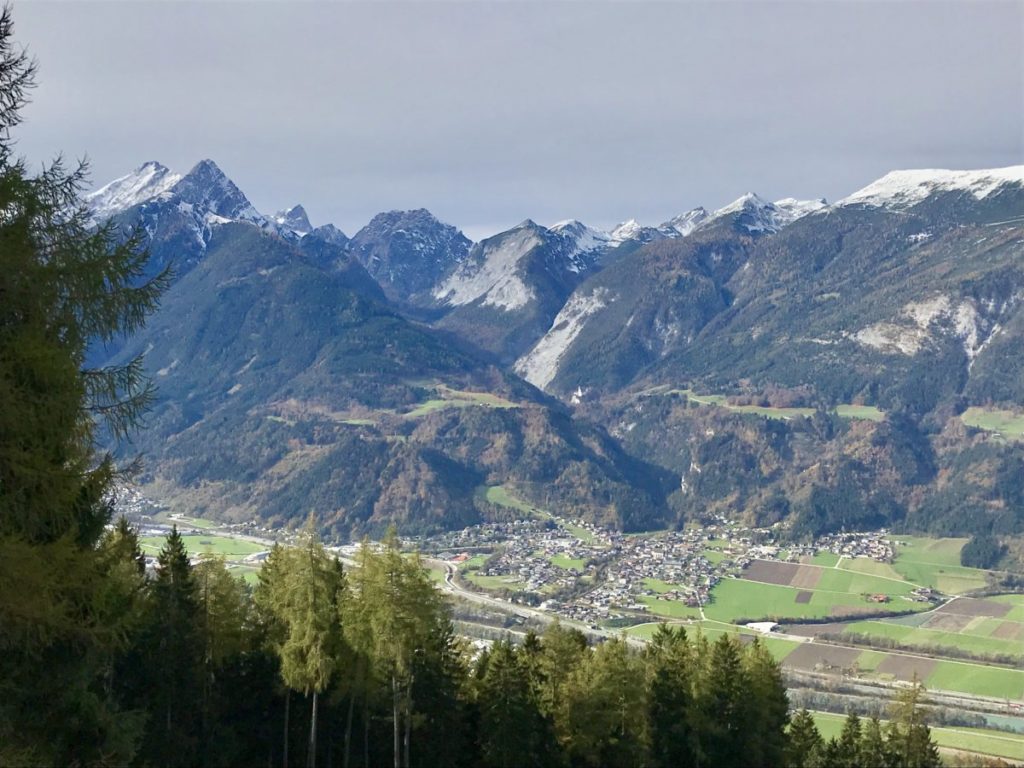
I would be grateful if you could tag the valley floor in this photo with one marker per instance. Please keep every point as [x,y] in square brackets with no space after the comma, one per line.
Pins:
[853,618]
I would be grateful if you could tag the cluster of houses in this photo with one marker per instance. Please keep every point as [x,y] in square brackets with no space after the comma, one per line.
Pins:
[874,545]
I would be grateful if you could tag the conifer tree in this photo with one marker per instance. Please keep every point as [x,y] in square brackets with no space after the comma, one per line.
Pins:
[669,698]
[306,601]
[512,730]
[767,707]
[722,700]
[849,742]
[804,742]
[63,287]
[872,749]
[910,741]
[605,708]
[174,653]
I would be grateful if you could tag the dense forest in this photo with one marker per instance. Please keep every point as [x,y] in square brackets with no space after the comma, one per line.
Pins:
[102,663]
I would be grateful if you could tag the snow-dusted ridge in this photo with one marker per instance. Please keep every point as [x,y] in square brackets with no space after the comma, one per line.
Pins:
[147,182]
[906,188]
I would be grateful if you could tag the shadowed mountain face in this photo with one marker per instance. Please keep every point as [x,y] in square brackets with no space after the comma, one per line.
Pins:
[408,252]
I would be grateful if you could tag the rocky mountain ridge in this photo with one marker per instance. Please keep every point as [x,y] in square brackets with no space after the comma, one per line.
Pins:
[905,297]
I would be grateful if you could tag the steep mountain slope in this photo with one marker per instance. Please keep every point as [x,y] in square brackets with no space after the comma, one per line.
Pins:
[505,293]
[648,303]
[286,389]
[408,252]
[178,213]
[905,307]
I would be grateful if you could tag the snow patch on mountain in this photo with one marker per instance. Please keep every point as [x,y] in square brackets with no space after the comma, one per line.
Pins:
[540,365]
[293,219]
[147,182]
[684,223]
[790,209]
[627,230]
[582,237]
[901,189]
[493,274]
[207,188]
[758,216]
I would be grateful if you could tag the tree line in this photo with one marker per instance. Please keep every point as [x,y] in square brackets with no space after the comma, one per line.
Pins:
[360,666]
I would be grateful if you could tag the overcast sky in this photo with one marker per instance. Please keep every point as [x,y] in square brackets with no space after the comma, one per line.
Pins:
[489,113]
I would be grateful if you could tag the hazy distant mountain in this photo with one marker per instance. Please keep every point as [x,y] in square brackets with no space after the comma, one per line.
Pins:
[408,252]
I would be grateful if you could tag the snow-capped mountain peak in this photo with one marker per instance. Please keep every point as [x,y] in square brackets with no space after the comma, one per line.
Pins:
[902,189]
[147,182]
[627,230]
[759,217]
[790,209]
[294,219]
[207,187]
[583,239]
[684,223]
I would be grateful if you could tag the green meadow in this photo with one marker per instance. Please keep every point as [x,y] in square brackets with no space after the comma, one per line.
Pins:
[936,563]
[206,543]
[1007,423]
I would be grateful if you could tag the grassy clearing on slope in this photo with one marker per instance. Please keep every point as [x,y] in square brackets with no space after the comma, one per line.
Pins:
[458,398]
[866,412]
[200,543]
[844,410]
[981,740]
[1007,423]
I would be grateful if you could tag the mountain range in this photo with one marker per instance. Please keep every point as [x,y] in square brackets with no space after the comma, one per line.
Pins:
[393,376]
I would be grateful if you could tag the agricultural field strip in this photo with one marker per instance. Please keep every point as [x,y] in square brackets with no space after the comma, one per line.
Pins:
[833,591]
[939,638]
[877,576]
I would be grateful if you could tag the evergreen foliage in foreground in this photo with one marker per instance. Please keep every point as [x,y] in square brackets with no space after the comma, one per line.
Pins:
[361,667]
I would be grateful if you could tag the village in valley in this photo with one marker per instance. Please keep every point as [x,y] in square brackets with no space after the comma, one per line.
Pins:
[597,576]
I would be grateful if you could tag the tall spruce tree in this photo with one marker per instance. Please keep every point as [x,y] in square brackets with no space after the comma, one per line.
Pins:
[767,707]
[804,744]
[174,655]
[670,697]
[64,285]
[512,730]
[910,740]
